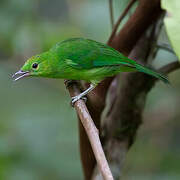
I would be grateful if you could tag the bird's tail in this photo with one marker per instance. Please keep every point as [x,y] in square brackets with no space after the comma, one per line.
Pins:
[153,73]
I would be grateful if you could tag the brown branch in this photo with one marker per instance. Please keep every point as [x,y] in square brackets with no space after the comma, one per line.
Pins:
[111,13]
[166,47]
[145,14]
[92,133]
[119,20]
[168,68]
[124,115]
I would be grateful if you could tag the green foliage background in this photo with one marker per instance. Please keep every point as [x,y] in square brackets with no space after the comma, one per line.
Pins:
[172,22]
[38,128]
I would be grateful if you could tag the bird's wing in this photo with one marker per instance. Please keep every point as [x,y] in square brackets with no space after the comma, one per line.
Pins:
[91,54]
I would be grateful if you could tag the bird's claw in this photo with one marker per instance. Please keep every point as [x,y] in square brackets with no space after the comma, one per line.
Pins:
[76,98]
[84,98]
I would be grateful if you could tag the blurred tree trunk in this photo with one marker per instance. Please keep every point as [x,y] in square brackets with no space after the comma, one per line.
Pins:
[127,94]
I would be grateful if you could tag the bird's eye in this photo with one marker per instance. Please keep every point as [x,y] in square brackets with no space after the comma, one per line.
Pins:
[35,65]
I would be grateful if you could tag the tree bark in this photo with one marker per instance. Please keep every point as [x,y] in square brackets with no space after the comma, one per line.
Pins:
[124,116]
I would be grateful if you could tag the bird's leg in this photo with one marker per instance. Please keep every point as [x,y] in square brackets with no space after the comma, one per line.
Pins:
[80,96]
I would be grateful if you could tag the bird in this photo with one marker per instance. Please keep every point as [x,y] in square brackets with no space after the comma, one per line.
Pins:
[82,59]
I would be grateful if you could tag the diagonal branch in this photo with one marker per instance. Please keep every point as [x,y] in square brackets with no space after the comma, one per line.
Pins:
[168,68]
[92,133]
[120,20]
[124,113]
[111,13]
[145,14]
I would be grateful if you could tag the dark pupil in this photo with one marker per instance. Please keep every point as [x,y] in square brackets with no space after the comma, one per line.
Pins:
[35,65]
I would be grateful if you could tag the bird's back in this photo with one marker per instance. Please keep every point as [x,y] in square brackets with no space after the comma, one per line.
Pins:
[97,60]
[87,53]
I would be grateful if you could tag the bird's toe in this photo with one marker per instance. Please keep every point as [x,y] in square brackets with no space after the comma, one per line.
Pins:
[76,98]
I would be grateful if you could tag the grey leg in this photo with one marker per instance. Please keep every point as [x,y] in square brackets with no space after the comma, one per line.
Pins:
[75,98]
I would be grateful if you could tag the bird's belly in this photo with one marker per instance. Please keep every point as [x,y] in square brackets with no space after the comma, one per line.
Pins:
[93,74]
[96,74]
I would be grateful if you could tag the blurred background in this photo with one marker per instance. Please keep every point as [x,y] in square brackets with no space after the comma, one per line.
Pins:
[38,128]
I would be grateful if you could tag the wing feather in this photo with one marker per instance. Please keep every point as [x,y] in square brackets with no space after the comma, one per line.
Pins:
[87,54]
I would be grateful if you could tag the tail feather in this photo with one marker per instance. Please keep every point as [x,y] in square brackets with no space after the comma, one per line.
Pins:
[153,73]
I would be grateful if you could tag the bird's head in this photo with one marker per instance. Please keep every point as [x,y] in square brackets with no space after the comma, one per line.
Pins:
[38,65]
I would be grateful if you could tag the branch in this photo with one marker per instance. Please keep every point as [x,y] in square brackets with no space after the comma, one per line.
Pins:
[165,46]
[145,14]
[125,106]
[170,67]
[92,133]
[119,20]
[124,113]
[111,13]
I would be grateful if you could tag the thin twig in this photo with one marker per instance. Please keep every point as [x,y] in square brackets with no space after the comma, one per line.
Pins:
[92,133]
[119,20]
[165,46]
[111,13]
[168,68]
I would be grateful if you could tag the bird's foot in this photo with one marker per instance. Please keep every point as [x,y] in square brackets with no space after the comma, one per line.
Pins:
[76,98]
[68,83]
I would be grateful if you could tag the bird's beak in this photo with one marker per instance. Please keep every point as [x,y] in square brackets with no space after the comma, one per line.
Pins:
[20,74]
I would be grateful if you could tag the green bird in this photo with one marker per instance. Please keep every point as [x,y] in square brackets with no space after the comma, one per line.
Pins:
[82,59]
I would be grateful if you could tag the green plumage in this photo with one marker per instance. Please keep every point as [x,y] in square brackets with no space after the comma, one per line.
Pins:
[84,59]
